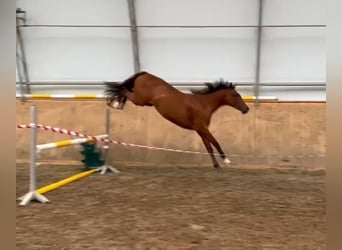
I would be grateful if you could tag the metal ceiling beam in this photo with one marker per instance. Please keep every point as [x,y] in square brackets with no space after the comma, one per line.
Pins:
[174,26]
[192,84]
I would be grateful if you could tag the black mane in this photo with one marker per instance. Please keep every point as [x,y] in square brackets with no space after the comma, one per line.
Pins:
[213,87]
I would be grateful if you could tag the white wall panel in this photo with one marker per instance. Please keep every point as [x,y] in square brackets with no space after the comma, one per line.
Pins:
[292,55]
[87,12]
[295,93]
[294,12]
[197,12]
[199,54]
[78,54]
[68,54]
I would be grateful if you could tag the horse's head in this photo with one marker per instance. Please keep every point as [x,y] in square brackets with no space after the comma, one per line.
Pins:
[228,94]
[234,99]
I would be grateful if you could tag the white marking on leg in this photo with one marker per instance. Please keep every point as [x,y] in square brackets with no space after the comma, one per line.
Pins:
[116,104]
[226,161]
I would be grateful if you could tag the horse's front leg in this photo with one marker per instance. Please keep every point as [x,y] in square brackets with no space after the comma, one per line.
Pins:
[206,133]
[207,144]
[213,140]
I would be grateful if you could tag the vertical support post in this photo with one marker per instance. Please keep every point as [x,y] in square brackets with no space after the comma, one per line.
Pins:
[258,54]
[33,151]
[106,167]
[134,35]
[20,75]
[108,136]
[21,55]
[33,194]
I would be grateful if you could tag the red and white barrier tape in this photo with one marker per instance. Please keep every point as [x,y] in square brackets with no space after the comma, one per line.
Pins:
[74,133]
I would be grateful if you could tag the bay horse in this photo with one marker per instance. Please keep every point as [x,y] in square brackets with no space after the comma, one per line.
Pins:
[191,111]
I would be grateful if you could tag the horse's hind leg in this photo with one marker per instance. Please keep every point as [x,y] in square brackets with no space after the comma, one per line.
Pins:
[132,97]
[122,102]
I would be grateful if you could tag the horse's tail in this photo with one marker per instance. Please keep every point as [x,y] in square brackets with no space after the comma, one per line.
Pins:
[113,93]
[113,90]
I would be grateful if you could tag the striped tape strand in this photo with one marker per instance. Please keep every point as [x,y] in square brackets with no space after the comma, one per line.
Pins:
[78,134]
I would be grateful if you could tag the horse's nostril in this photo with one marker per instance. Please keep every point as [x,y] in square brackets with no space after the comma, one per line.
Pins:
[245,111]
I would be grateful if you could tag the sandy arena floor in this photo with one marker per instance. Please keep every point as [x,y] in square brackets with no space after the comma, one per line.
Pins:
[175,208]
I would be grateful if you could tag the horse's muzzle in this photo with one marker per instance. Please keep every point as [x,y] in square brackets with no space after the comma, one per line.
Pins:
[245,111]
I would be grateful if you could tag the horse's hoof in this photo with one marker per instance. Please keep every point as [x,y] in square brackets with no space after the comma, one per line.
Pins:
[226,161]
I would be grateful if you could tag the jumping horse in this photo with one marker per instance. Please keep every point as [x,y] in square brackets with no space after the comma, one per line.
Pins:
[191,111]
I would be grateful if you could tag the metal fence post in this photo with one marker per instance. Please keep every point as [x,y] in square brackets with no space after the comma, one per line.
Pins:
[106,167]
[33,194]
[134,35]
[258,55]
[21,55]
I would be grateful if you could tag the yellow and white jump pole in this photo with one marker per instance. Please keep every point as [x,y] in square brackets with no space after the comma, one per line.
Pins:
[66,181]
[67,143]
[260,98]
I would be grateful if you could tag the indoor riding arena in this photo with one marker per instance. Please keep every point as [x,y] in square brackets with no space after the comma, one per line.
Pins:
[138,173]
